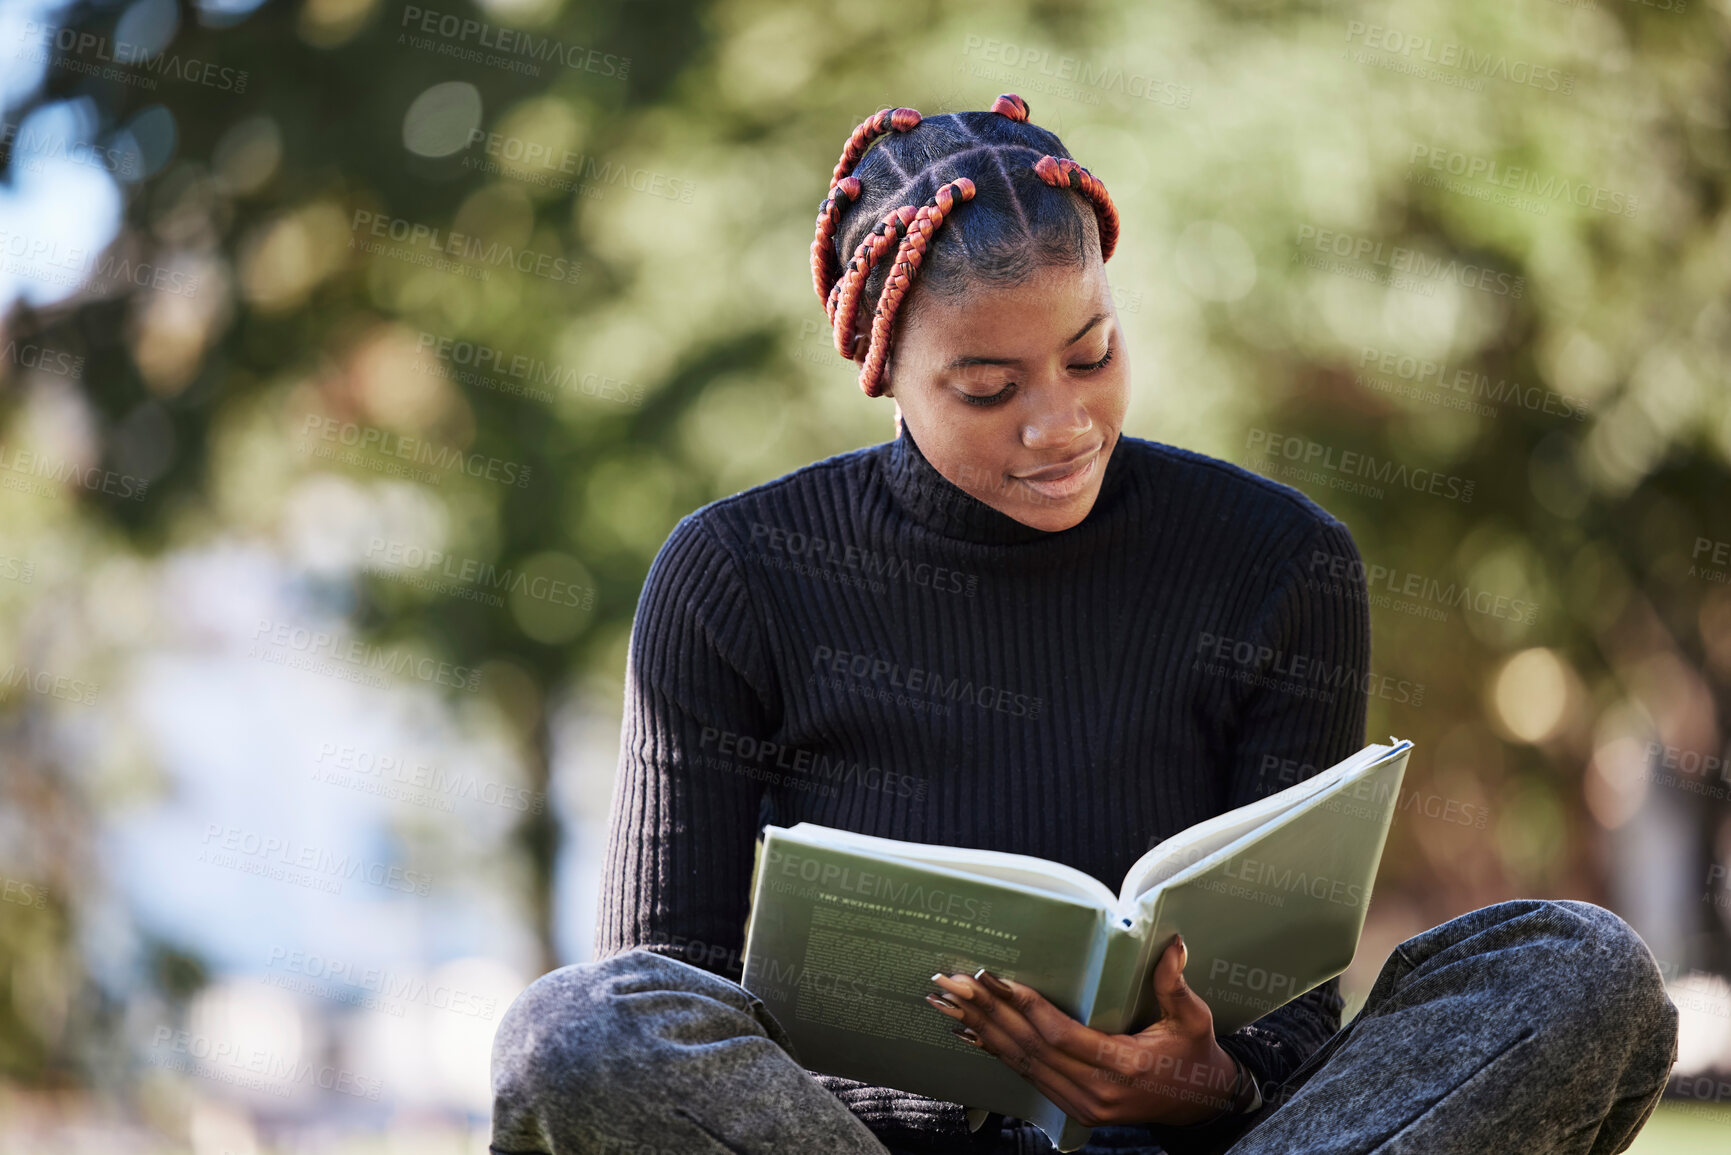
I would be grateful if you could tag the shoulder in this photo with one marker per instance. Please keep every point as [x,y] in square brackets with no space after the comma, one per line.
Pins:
[1275,521]
[815,498]
[701,571]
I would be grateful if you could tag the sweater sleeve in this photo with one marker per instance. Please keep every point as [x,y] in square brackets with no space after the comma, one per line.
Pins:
[677,870]
[1317,610]
[677,874]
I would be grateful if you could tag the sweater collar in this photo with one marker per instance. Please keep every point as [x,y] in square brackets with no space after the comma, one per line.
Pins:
[943,507]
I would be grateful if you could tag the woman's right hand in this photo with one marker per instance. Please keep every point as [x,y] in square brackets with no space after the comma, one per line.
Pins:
[1174,1072]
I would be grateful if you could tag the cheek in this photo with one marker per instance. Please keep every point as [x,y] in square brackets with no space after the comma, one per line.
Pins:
[1112,397]
[980,448]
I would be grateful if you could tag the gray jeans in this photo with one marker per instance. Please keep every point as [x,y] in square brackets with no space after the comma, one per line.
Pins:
[1533,1026]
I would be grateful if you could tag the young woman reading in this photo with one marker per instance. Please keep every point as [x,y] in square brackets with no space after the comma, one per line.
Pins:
[994,631]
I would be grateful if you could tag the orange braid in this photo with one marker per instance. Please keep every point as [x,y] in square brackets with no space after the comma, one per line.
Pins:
[910,231]
[912,252]
[841,297]
[843,302]
[823,272]
[823,248]
[1062,172]
[869,129]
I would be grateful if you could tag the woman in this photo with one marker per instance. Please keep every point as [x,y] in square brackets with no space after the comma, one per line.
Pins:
[991,632]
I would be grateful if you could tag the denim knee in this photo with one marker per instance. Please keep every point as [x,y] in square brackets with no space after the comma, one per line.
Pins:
[645,1053]
[1624,953]
[1572,972]
[544,1027]
[571,1050]
[1618,985]
[575,1021]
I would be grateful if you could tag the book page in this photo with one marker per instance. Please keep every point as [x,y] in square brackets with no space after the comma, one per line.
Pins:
[842,942]
[1197,842]
[1278,911]
[1020,869]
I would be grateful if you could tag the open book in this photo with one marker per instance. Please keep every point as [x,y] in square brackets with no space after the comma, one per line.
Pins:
[847,929]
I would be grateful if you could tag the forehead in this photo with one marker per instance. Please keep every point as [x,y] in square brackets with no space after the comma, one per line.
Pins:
[1038,313]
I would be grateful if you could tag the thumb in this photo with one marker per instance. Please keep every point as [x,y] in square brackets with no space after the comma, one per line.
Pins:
[1179,1005]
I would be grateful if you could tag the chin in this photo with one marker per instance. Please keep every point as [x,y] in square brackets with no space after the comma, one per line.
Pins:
[1053,516]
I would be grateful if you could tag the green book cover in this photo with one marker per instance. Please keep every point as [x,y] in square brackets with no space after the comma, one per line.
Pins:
[846,930]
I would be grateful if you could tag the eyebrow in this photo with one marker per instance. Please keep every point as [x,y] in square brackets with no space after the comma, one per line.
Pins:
[965,362]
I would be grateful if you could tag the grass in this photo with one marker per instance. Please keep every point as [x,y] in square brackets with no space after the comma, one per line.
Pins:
[1685,1130]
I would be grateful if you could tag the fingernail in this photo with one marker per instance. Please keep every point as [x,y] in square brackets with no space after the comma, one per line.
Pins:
[966,994]
[993,983]
[966,1033]
[941,1001]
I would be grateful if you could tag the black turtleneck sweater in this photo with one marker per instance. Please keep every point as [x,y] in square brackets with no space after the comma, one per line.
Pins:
[864,644]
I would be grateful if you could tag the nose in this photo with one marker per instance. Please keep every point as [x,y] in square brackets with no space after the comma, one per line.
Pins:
[1060,422]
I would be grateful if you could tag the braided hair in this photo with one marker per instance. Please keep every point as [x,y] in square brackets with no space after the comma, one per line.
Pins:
[1003,186]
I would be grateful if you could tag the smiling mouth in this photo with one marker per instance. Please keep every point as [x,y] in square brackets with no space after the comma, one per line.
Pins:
[1061,471]
[1063,481]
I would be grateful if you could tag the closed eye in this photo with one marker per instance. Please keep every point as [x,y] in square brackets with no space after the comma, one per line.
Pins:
[991,398]
[1094,365]
[1004,393]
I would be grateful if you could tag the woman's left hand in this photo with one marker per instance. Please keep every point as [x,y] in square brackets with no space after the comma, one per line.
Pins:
[1174,1072]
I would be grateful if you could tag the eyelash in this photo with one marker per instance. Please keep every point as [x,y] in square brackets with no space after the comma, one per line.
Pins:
[1005,392]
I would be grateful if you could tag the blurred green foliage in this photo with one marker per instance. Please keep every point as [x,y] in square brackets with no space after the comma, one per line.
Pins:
[1240,141]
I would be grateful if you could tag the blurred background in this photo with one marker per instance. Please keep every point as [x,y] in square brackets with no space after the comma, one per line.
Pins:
[356,357]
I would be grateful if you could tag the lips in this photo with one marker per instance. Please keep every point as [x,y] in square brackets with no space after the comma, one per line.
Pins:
[1065,481]
[1059,471]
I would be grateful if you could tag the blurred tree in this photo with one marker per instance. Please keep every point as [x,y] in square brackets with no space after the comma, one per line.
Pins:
[672,172]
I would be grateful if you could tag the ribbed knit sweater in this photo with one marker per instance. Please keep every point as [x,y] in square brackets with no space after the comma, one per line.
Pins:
[864,644]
